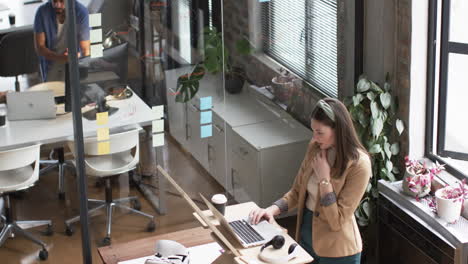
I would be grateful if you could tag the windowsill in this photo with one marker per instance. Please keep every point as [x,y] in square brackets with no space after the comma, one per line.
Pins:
[275,66]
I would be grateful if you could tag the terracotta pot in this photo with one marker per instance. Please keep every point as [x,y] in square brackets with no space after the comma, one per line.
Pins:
[281,89]
[448,209]
[420,184]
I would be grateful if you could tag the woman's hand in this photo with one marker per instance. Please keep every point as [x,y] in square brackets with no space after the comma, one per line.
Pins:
[321,166]
[268,214]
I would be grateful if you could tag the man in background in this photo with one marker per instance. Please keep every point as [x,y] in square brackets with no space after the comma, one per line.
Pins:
[50,34]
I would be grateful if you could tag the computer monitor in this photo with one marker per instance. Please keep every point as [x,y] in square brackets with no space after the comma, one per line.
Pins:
[99,77]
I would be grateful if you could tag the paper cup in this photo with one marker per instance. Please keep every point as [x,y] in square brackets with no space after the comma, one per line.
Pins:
[219,202]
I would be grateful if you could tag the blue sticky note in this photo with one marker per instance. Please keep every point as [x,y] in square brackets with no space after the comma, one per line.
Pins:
[261,1]
[206,117]
[205,103]
[206,131]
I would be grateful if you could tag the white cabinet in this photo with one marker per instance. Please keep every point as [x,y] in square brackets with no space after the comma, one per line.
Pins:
[265,159]
[256,148]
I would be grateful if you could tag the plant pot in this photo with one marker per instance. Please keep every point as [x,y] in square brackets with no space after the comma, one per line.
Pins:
[448,209]
[234,83]
[281,89]
[416,185]
[465,209]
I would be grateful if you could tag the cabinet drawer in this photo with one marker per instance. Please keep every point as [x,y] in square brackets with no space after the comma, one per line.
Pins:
[244,151]
[245,180]
[217,152]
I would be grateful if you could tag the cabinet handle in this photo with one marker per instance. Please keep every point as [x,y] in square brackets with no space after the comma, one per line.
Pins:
[220,130]
[210,148]
[243,151]
[188,135]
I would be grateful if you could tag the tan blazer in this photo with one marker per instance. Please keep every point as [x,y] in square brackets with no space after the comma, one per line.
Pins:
[335,232]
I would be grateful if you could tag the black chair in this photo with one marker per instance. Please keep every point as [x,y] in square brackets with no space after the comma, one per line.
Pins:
[18,54]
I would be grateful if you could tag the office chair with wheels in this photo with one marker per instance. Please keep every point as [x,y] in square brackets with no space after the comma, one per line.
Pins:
[119,160]
[18,55]
[59,90]
[19,170]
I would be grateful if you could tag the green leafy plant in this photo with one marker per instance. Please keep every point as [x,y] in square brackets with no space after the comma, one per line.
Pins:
[373,110]
[216,58]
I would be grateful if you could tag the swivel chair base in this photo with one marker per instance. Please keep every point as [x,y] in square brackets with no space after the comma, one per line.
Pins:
[11,228]
[61,164]
[109,205]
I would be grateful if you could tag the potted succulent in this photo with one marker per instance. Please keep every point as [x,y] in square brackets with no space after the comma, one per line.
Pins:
[283,84]
[418,177]
[449,201]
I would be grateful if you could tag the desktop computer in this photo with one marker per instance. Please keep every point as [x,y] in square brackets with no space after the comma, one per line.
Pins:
[99,77]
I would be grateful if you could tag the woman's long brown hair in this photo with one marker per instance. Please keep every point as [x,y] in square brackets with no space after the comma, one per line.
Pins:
[347,143]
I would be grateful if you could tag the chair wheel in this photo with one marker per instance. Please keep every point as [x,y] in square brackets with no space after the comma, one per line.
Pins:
[43,254]
[61,196]
[49,231]
[69,231]
[151,227]
[106,241]
[136,205]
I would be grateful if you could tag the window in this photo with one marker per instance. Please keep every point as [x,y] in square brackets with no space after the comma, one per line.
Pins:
[446,138]
[302,36]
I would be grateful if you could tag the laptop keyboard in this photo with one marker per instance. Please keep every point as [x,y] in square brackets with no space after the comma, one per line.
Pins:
[246,232]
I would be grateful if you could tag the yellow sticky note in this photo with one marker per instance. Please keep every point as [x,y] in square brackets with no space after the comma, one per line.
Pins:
[102,118]
[103,133]
[103,148]
[158,140]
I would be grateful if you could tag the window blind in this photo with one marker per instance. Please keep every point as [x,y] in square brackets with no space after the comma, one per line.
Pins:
[302,36]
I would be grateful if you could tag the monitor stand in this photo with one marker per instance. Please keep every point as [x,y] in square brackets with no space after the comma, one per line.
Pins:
[91,114]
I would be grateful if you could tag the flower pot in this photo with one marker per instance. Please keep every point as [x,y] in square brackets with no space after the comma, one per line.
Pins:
[234,84]
[281,89]
[416,185]
[448,209]
[465,209]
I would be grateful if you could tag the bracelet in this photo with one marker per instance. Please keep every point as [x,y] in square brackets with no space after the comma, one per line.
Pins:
[324,182]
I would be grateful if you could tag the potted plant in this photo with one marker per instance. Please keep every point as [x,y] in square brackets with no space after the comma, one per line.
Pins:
[216,59]
[449,201]
[283,84]
[418,177]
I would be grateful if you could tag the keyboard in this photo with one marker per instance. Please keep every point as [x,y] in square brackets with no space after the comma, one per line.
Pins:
[245,231]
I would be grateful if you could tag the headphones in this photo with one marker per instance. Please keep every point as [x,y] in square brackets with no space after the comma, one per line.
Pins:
[277,242]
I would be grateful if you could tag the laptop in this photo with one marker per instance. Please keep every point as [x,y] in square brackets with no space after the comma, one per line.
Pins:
[31,105]
[248,235]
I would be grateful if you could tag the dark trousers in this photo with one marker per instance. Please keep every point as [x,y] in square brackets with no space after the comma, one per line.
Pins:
[306,243]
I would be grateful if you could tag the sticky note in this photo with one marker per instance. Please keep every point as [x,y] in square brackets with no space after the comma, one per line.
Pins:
[206,131]
[96,50]
[158,111]
[205,103]
[95,35]
[95,20]
[158,140]
[102,133]
[102,118]
[206,117]
[158,126]
[103,148]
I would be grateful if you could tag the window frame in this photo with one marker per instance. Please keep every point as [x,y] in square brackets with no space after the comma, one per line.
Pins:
[446,47]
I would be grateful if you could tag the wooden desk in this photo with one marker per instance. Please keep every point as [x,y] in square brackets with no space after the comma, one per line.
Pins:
[145,247]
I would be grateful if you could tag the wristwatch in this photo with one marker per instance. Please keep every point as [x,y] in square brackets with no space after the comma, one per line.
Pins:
[324,182]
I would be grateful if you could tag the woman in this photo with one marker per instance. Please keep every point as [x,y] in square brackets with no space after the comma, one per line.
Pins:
[328,188]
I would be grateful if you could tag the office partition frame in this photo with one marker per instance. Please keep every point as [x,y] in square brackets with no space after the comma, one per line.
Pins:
[78,128]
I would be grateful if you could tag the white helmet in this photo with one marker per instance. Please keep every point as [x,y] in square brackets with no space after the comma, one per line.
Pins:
[169,252]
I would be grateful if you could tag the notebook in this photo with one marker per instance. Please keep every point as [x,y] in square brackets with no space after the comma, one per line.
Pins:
[31,105]
[248,235]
